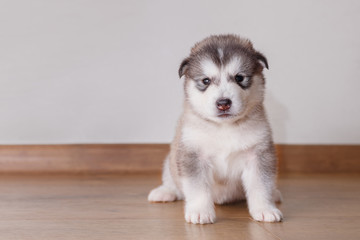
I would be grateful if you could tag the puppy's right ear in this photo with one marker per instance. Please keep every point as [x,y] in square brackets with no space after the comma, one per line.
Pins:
[183,67]
[262,60]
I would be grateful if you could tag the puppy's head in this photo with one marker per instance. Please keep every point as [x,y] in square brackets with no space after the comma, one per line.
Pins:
[223,78]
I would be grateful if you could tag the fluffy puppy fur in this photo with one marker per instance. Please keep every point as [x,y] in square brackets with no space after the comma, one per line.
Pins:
[223,149]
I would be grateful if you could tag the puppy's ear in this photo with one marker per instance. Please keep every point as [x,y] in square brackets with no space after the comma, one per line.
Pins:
[183,67]
[262,60]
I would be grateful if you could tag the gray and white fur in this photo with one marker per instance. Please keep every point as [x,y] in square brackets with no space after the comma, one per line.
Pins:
[223,149]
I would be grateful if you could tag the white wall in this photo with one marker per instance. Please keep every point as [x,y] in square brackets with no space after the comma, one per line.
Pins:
[106,71]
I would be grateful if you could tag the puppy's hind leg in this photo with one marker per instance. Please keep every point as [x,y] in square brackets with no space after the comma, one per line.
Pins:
[167,192]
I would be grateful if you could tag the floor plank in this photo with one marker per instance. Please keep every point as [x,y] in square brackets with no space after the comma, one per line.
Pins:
[131,229]
[115,207]
[319,228]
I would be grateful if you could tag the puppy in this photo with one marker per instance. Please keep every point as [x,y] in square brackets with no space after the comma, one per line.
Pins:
[223,149]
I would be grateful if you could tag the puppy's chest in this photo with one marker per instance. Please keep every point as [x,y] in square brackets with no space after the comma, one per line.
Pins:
[227,148]
[224,140]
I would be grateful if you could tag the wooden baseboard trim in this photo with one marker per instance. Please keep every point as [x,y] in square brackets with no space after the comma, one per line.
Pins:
[106,158]
[319,158]
[82,158]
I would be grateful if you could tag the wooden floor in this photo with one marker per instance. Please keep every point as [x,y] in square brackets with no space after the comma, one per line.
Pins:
[115,207]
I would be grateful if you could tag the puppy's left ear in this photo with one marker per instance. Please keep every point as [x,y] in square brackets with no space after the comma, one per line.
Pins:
[262,60]
[183,67]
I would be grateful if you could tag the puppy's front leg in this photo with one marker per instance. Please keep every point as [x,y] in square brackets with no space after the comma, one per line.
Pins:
[196,181]
[199,206]
[259,182]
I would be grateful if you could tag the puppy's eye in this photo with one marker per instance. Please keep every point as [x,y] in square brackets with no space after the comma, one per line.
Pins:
[206,81]
[243,81]
[239,78]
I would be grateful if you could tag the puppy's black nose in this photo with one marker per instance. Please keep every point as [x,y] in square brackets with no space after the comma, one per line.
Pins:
[223,104]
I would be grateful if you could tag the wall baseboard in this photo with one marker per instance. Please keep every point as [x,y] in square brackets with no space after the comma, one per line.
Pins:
[106,158]
[319,158]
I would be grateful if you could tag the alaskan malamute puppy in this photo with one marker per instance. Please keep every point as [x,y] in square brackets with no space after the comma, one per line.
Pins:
[223,149]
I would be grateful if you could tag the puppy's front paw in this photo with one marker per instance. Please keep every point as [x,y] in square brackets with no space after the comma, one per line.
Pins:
[161,194]
[201,215]
[270,214]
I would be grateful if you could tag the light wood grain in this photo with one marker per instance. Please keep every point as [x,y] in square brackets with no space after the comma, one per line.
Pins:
[114,206]
[105,158]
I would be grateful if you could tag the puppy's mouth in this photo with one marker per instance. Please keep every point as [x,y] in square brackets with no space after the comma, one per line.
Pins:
[224,115]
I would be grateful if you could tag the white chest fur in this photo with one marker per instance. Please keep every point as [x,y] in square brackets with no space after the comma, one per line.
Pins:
[225,146]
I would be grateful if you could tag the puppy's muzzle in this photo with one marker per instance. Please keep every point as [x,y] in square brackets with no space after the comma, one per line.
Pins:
[223,104]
